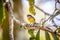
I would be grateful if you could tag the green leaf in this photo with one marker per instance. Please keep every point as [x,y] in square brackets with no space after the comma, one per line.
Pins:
[1,11]
[55,36]
[31,32]
[32,38]
[31,7]
[47,36]
[38,35]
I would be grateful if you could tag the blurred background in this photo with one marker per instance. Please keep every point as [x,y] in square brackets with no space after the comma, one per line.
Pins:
[20,10]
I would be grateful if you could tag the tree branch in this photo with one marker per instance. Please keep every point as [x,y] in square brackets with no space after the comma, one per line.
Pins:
[11,23]
[37,28]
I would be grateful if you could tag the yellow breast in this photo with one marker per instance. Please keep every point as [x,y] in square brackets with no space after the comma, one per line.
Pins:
[31,20]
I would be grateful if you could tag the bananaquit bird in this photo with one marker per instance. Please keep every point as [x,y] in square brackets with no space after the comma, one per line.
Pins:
[31,19]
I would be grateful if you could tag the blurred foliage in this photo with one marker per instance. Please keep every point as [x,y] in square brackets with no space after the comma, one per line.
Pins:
[5,27]
[38,35]
[47,36]
[59,30]
[4,21]
[33,37]
[1,11]
[31,7]
[54,36]
[31,32]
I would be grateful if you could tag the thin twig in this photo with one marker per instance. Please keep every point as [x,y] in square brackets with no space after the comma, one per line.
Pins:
[52,14]
[41,10]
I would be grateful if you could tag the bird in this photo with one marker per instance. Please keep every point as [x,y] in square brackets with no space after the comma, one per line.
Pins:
[31,19]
